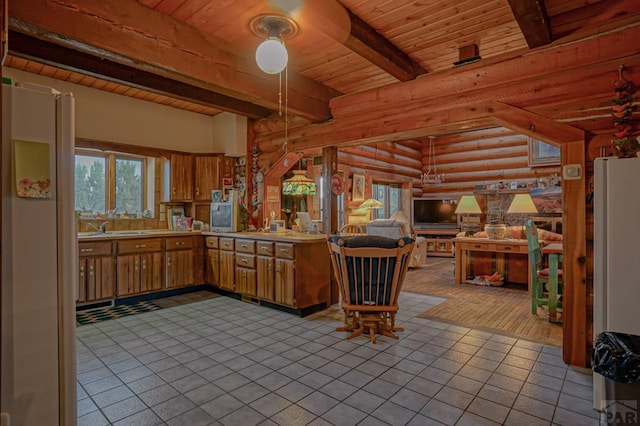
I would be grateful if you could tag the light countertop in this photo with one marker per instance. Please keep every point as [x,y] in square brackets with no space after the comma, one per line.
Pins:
[287,236]
[137,233]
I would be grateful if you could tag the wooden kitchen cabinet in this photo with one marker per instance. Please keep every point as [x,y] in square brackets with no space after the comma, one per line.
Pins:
[285,280]
[181,177]
[139,266]
[290,272]
[207,176]
[179,261]
[212,269]
[265,267]
[246,267]
[227,264]
[96,275]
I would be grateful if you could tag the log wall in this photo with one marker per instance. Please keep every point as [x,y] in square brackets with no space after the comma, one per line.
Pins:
[487,156]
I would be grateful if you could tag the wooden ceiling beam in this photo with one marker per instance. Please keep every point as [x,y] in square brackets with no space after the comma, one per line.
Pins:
[371,45]
[533,21]
[463,99]
[536,126]
[340,24]
[25,46]
[134,35]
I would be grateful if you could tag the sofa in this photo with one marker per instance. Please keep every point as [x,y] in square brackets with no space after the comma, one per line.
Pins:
[395,227]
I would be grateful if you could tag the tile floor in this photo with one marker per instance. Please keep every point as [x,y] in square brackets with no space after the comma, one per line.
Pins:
[225,362]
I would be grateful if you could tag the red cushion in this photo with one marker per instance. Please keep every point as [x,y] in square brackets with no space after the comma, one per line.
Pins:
[545,272]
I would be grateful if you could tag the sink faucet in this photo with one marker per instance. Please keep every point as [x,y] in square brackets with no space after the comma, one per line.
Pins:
[102,228]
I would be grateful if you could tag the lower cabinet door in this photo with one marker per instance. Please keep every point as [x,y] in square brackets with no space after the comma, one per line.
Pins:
[150,271]
[128,274]
[265,271]
[285,282]
[81,295]
[179,268]
[227,270]
[100,278]
[213,267]
[246,281]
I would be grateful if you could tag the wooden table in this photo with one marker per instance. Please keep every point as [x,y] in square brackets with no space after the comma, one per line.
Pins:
[554,251]
[501,249]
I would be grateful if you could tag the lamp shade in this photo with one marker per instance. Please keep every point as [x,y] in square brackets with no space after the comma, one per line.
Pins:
[272,56]
[468,205]
[298,184]
[371,203]
[522,203]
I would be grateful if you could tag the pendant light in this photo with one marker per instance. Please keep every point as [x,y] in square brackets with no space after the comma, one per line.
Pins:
[431,177]
[299,183]
[271,55]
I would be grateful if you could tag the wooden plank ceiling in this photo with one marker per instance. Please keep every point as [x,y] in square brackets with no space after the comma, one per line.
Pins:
[343,46]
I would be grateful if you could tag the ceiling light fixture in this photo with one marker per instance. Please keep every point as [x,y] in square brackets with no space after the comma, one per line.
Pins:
[271,55]
[299,183]
[431,177]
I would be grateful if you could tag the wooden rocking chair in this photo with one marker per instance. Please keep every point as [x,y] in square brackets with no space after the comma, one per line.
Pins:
[370,271]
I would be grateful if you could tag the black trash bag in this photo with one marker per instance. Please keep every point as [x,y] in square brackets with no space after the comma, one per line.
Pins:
[617,356]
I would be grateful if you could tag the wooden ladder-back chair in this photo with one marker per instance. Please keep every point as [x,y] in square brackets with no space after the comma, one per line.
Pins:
[370,271]
[546,284]
[353,228]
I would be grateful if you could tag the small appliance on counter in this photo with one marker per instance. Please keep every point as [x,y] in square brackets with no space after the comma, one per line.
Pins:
[225,215]
[277,226]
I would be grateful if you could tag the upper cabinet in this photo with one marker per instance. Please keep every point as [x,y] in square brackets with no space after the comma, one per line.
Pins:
[207,173]
[181,177]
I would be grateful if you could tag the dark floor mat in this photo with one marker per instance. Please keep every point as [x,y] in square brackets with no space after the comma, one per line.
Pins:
[103,314]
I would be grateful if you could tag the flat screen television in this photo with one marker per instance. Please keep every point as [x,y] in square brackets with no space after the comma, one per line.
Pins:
[434,213]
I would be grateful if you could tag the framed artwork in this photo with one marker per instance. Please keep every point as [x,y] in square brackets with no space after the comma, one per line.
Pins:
[358,188]
[216,196]
[32,169]
[547,200]
[227,181]
[273,193]
[543,154]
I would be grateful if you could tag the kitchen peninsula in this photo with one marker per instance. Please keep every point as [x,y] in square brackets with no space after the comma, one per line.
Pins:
[288,270]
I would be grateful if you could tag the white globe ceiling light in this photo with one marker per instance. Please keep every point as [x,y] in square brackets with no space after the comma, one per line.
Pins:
[271,54]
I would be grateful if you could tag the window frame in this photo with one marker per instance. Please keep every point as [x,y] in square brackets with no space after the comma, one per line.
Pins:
[386,187]
[110,158]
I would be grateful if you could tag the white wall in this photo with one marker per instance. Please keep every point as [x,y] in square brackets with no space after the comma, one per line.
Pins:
[231,134]
[115,118]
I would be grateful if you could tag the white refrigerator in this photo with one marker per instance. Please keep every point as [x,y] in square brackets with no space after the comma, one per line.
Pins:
[616,269]
[39,257]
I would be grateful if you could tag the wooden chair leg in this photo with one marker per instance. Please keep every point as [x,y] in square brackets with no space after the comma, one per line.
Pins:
[348,322]
[392,316]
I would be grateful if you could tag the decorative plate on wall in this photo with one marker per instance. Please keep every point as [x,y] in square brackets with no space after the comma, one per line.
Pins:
[337,184]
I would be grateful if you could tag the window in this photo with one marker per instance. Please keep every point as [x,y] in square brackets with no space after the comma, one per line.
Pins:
[111,181]
[90,181]
[390,195]
[129,194]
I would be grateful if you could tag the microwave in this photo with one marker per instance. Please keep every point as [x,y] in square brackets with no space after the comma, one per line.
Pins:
[225,217]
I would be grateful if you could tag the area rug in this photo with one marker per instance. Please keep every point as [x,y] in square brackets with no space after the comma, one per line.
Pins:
[102,314]
[504,310]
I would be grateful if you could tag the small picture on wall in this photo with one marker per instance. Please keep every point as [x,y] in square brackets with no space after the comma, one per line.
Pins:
[227,181]
[358,188]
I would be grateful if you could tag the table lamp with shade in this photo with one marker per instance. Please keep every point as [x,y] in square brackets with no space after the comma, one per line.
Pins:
[523,204]
[369,205]
[467,205]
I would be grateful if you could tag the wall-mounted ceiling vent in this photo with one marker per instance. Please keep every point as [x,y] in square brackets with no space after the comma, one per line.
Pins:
[468,55]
